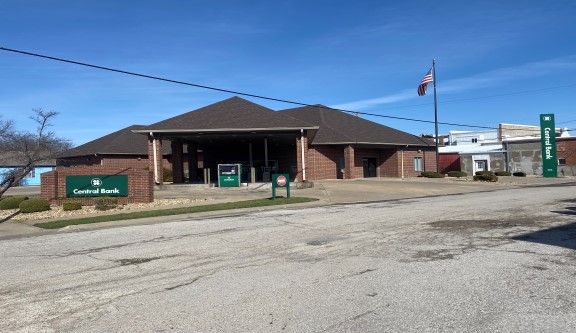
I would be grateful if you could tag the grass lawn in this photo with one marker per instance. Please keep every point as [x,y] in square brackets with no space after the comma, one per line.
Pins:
[174,211]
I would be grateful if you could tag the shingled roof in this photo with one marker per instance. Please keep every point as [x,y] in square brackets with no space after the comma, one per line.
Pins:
[231,114]
[337,127]
[13,159]
[123,142]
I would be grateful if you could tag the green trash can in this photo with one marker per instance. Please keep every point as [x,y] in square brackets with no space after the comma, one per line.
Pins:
[229,175]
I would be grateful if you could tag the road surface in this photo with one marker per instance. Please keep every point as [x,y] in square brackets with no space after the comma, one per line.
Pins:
[478,262]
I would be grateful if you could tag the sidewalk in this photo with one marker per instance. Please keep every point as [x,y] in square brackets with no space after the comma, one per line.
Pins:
[326,191]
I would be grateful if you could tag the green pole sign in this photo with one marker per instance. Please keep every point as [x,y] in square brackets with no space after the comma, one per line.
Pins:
[548,141]
[97,186]
[280,180]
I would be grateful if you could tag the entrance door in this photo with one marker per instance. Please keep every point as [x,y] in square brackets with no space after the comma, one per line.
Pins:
[369,167]
[481,165]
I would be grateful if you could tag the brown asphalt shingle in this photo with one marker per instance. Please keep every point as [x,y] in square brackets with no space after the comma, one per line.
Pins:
[234,113]
[123,141]
[337,127]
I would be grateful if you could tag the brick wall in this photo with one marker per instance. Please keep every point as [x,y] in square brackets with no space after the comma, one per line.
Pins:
[389,164]
[125,162]
[140,183]
[325,162]
[566,148]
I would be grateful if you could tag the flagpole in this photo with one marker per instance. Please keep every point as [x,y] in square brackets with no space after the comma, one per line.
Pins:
[435,115]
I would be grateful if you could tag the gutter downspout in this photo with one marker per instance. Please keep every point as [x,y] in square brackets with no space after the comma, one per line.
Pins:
[302,152]
[402,157]
[155,160]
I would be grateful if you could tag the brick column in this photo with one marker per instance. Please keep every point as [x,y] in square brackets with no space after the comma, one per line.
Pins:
[192,163]
[349,162]
[49,185]
[177,161]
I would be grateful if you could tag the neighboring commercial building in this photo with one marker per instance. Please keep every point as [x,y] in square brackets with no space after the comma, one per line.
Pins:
[509,148]
[11,161]
[526,156]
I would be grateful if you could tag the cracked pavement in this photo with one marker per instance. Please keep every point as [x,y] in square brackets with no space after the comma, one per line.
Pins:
[480,262]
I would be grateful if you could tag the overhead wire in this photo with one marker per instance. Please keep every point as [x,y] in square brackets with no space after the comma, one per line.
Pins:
[279,99]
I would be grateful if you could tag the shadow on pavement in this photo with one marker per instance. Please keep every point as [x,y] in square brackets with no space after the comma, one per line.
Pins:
[563,236]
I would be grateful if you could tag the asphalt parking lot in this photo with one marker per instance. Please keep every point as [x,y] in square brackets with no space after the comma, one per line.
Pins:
[496,260]
[328,192]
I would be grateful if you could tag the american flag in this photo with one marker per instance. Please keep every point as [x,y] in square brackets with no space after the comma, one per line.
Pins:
[424,83]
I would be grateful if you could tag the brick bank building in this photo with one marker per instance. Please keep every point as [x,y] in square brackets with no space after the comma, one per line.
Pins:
[308,143]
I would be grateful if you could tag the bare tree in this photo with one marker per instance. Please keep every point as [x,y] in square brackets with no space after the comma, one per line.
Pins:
[28,149]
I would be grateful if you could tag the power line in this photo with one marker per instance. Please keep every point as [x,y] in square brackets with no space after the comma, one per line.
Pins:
[254,95]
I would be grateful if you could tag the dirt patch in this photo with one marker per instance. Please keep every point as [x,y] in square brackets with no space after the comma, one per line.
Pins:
[461,225]
[135,261]
[318,242]
[433,255]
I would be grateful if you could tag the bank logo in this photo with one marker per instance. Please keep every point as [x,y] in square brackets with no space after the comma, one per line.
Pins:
[96,182]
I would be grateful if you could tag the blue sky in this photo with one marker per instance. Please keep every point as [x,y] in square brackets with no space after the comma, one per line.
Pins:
[497,61]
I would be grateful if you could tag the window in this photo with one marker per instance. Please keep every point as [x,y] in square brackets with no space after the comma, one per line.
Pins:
[417,163]
[562,161]
[31,174]
[474,140]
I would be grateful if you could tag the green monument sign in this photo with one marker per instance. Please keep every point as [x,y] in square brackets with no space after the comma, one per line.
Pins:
[97,186]
[548,141]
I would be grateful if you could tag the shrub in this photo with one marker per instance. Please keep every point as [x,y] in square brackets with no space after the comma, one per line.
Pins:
[168,175]
[457,174]
[106,203]
[71,205]
[486,177]
[519,174]
[430,174]
[503,173]
[12,202]
[478,173]
[34,205]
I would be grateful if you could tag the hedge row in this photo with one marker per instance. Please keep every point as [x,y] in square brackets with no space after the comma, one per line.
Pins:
[457,174]
[34,205]
[430,174]
[11,202]
[106,203]
[485,176]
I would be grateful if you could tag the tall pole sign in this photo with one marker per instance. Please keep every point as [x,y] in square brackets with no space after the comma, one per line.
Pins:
[548,141]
